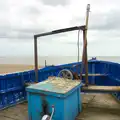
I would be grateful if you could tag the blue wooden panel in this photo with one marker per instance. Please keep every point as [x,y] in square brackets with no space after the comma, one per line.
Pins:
[15,82]
[12,98]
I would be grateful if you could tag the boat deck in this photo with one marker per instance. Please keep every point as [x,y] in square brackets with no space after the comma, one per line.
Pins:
[95,107]
[99,107]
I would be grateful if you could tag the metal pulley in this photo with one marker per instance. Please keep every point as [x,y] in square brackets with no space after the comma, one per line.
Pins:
[65,73]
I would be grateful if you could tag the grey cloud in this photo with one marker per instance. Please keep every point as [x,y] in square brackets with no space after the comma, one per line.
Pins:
[18,36]
[14,32]
[105,22]
[71,43]
[31,10]
[77,21]
[110,21]
[55,2]
[21,29]
[30,30]
[100,21]
[23,36]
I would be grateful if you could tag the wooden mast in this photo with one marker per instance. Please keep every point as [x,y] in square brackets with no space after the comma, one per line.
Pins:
[85,40]
[84,56]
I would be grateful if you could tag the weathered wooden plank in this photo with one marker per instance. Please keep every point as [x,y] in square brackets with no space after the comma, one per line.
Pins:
[95,74]
[101,88]
[17,112]
[100,107]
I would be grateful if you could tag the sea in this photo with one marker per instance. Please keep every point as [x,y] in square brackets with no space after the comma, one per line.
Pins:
[51,60]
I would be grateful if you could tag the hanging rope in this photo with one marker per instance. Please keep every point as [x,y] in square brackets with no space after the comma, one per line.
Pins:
[78,44]
[80,68]
[78,57]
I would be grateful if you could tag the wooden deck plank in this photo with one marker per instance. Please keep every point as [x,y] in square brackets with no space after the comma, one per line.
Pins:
[100,107]
[95,74]
[17,112]
[101,88]
[5,118]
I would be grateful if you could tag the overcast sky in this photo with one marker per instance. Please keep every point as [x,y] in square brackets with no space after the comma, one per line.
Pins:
[21,19]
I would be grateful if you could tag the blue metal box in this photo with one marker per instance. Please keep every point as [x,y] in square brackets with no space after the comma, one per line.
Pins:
[63,94]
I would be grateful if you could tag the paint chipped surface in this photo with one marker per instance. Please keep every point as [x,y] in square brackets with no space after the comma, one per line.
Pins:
[56,84]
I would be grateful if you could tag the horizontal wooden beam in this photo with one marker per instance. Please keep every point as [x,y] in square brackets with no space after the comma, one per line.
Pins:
[92,88]
[95,74]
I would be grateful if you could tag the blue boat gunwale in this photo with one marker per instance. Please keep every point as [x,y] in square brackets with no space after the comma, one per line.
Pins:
[19,79]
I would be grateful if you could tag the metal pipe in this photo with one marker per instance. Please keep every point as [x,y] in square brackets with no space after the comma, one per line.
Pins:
[61,31]
[36,59]
[50,33]
[53,109]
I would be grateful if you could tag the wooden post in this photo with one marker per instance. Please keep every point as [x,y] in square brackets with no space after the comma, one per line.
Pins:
[85,61]
[84,56]
[85,40]
[45,63]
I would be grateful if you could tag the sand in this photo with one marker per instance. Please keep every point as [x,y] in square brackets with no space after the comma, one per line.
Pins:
[9,68]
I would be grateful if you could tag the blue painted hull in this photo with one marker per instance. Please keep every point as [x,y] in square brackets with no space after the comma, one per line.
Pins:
[12,86]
